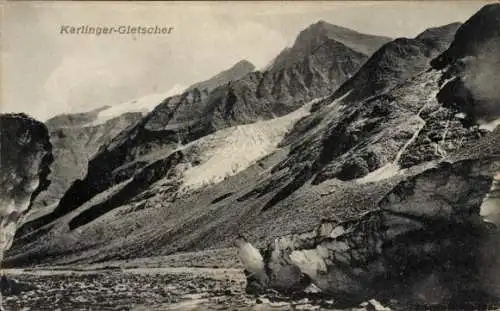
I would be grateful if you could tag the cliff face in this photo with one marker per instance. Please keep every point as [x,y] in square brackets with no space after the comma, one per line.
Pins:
[397,61]
[431,236]
[472,65]
[25,159]
[75,139]
[25,154]
[423,233]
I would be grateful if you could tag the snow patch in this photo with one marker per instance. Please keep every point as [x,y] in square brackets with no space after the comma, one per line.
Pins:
[309,261]
[393,168]
[230,151]
[490,126]
[251,259]
[387,171]
[490,208]
[341,98]
[447,81]
[144,105]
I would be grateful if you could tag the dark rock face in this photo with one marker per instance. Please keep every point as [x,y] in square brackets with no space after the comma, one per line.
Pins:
[470,38]
[321,65]
[25,158]
[10,287]
[426,231]
[75,140]
[472,65]
[397,61]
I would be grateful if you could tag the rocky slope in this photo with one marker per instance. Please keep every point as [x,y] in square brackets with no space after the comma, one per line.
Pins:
[170,186]
[75,139]
[426,231]
[162,138]
[236,72]
[395,174]
[25,158]
[397,61]
[396,249]
[312,38]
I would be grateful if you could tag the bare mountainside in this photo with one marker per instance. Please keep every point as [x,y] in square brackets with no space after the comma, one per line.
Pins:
[179,120]
[75,139]
[149,189]
[375,189]
[238,71]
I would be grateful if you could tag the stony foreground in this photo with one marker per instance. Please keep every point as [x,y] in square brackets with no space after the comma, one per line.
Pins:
[161,289]
[143,289]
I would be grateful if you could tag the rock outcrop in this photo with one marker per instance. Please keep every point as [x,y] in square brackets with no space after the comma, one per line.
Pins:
[75,139]
[25,156]
[472,65]
[424,233]
[395,62]
[424,241]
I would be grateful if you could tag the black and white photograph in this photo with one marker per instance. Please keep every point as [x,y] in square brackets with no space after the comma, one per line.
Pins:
[253,155]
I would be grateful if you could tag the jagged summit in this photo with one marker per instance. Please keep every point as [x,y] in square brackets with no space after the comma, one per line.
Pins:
[322,33]
[243,65]
[75,119]
[396,61]
[472,63]
[360,42]
[237,71]
[474,35]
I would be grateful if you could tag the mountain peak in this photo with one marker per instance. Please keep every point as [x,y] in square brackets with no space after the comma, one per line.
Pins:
[322,32]
[235,72]
[243,65]
[470,39]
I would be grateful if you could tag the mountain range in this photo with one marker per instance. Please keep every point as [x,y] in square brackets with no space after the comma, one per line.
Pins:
[354,159]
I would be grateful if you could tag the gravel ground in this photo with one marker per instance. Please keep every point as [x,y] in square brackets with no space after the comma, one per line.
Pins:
[144,289]
[155,289]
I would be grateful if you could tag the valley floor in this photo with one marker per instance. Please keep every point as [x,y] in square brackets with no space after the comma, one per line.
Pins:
[193,281]
[143,289]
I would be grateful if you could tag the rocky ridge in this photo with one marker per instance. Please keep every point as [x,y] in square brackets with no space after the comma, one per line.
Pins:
[360,166]
[250,192]
[185,118]
[75,139]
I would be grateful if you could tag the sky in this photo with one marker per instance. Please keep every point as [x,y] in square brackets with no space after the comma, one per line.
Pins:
[45,73]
